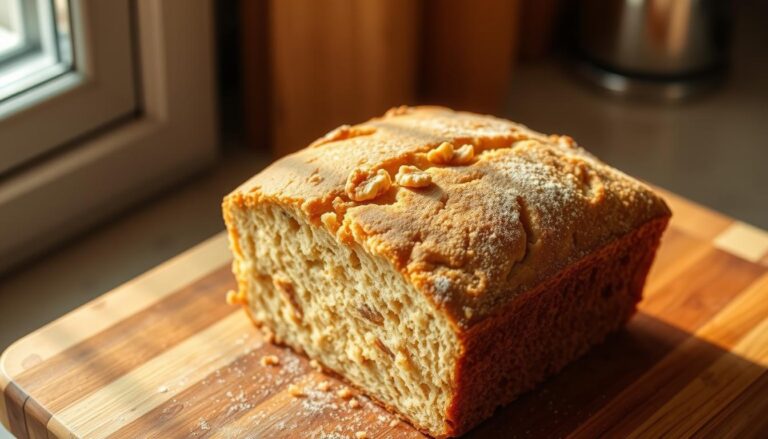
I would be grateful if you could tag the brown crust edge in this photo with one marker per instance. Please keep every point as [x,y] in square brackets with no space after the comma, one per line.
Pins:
[484,379]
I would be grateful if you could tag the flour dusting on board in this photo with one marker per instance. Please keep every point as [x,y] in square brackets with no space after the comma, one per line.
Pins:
[238,390]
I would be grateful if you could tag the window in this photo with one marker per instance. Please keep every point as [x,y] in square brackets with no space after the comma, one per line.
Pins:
[116,101]
[53,107]
[57,101]
[35,44]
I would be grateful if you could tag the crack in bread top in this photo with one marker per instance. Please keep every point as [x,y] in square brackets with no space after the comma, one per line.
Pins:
[524,208]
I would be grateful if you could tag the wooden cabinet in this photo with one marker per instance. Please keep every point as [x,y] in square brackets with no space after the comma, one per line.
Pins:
[338,61]
[310,66]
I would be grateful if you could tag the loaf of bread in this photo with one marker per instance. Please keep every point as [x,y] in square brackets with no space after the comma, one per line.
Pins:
[443,262]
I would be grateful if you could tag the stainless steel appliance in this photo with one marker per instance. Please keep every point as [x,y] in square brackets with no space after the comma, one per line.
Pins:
[667,49]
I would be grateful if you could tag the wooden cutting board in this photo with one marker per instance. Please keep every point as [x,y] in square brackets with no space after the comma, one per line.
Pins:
[164,356]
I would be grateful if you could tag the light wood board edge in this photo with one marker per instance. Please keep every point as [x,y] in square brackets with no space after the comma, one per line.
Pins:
[744,240]
[123,301]
[121,402]
[735,237]
[693,218]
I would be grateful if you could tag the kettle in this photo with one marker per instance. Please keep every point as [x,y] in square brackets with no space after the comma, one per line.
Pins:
[658,49]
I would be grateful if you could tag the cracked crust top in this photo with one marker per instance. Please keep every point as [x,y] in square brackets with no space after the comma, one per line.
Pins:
[523,207]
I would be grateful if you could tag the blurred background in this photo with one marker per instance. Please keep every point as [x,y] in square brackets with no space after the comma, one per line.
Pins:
[124,122]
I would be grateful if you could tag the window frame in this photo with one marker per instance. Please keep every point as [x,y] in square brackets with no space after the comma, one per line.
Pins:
[172,136]
[41,55]
[100,88]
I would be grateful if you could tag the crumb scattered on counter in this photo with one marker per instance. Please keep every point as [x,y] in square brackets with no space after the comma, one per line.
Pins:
[295,390]
[238,402]
[270,360]
[242,390]
[344,393]
[236,298]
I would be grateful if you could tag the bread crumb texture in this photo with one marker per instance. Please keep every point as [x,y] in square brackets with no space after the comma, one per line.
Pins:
[506,208]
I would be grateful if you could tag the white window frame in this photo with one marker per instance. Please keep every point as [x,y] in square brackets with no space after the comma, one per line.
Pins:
[100,89]
[173,135]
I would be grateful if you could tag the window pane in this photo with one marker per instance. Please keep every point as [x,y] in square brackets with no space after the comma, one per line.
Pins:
[35,43]
[63,35]
[11,28]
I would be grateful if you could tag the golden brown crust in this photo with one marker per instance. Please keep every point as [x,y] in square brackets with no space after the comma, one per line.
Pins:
[491,225]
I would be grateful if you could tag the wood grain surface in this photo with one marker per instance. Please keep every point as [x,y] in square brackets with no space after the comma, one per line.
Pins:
[333,61]
[164,356]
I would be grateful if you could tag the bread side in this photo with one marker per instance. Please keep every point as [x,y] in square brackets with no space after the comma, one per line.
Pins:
[549,326]
[392,249]
[345,308]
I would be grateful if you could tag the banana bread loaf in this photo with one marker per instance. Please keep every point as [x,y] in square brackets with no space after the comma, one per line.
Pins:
[443,262]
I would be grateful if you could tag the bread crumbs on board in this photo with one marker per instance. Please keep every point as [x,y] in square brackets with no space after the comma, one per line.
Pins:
[295,390]
[241,388]
[270,360]
[344,393]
